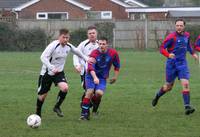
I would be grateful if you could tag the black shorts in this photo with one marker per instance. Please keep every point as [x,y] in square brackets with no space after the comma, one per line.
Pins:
[45,81]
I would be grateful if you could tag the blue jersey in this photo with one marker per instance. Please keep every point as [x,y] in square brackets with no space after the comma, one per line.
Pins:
[177,44]
[104,61]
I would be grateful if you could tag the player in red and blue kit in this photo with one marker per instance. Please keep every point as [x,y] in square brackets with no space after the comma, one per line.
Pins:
[97,75]
[197,44]
[174,47]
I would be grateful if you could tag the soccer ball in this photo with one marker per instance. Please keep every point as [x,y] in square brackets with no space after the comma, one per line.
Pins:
[33,121]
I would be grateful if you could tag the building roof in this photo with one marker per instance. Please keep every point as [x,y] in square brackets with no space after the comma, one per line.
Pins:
[74,2]
[9,4]
[175,13]
[163,9]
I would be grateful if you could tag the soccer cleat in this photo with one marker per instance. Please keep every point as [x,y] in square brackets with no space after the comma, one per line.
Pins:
[58,111]
[84,118]
[155,101]
[189,110]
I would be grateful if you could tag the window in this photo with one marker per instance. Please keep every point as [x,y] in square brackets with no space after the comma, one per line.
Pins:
[106,15]
[52,15]
[41,16]
[99,15]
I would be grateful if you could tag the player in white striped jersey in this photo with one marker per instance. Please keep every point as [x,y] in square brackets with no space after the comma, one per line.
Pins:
[53,59]
[86,47]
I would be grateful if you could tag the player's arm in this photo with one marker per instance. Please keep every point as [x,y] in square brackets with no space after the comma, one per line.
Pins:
[116,64]
[197,44]
[77,52]
[190,49]
[76,60]
[46,55]
[165,45]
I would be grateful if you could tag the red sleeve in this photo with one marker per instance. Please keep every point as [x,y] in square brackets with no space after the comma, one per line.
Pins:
[168,42]
[197,44]
[94,54]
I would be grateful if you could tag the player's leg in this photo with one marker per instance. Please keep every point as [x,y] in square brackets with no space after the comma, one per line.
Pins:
[85,106]
[170,78]
[184,78]
[164,89]
[85,112]
[96,99]
[44,84]
[60,81]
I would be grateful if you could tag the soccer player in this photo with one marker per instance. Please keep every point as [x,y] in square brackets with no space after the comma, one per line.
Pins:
[85,47]
[53,59]
[197,44]
[175,47]
[97,75]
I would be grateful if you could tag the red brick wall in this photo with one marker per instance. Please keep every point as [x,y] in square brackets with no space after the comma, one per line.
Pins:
[52,6]
[157,16]
[118,12]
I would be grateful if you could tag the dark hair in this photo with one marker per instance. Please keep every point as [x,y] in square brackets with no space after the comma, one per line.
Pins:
[63,31]
[104,38]
[91,27]
[179,19]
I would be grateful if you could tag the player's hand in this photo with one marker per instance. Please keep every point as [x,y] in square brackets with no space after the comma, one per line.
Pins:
[113,80]
[91,60]
[78,68]
[55,70]
[96,80]
[195,56]
[171,56]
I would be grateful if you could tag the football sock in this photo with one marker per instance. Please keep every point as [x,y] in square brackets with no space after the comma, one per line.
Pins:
[85,107]
[186,98]
[96,101]
[60,98]
[39,106]
[160,93]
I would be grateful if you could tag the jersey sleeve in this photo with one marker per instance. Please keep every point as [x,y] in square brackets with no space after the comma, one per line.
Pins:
[166,45]
[76,59]
[197,44]
[94,55]
[116,61]
[47,55]
[76,51]
[189,47]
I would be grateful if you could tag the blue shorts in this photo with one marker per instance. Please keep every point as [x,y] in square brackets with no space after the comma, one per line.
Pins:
[176,69]
[89,83]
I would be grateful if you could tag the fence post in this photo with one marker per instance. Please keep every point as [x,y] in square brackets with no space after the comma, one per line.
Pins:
[146,32]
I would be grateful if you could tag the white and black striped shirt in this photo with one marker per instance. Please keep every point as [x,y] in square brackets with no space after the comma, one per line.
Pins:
[86,47]
[54,56]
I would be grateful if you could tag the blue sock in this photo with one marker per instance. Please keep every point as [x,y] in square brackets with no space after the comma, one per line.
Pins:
[85,107]
[186,98]
[160,93]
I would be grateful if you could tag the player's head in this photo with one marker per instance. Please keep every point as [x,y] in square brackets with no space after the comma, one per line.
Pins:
[103,44]
[64,36]
[92,33]
[180,26]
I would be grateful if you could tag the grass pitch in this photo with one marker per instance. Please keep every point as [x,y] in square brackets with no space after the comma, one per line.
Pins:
[125,111]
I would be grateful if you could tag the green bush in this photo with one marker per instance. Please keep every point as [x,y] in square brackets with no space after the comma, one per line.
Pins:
[12,39]
[78,36]
[194,32]
[7,36]
[31,40]
[106,29]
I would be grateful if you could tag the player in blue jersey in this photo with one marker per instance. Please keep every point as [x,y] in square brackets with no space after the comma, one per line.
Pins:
[97,75]
[197,44]
[174,47]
